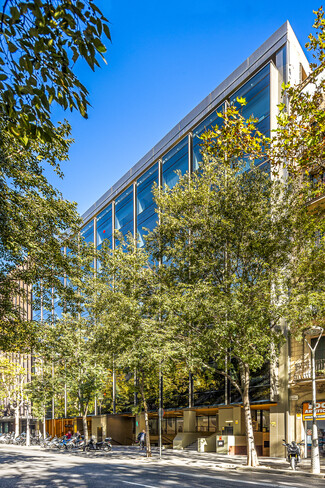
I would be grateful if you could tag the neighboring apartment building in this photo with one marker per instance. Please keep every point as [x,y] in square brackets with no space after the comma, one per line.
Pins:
[22,303]
[128,207]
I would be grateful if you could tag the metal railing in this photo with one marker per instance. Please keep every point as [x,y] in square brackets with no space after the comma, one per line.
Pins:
[302,370]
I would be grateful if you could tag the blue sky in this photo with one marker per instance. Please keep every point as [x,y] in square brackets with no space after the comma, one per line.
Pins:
[165,57]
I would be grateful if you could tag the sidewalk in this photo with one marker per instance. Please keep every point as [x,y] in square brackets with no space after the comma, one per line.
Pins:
[211,460]
[206,460]
[219,461]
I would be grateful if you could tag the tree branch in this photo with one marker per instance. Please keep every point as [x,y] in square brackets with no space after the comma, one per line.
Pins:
[232,381]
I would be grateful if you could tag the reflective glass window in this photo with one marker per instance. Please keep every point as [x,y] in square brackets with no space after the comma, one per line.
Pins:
[202,424]
[153,426]
[257,95]
[124,212]
[212,423]
[175,159]
[211,121]
[87,232]
[58,308]
[281,62]
[171,425]
[179,424]
[104,226]
[146,214]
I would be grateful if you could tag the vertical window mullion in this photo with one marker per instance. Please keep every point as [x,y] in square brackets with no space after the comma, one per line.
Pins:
[135,212]
[113,225]
[190,153]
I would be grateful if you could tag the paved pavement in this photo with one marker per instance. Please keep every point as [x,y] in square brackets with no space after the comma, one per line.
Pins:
[23,467]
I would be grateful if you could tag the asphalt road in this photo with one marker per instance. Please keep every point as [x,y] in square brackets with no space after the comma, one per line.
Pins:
[23,468]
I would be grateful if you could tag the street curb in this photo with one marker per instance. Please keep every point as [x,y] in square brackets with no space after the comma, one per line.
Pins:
[280,471]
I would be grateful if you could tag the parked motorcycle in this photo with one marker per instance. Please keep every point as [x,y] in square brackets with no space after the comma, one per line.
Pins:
[76,442]
[293,453]
[104,445]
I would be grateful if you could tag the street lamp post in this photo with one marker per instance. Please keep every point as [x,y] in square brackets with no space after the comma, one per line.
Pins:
[315,462]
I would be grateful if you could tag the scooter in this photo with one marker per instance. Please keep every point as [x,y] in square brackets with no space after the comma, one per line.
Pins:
[76,442]
[293,453]
[97,446]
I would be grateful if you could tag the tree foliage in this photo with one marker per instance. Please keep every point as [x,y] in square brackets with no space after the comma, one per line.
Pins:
[299,141]
[13,386]
[40,42]
[124,301]
[34,224]
[226,235]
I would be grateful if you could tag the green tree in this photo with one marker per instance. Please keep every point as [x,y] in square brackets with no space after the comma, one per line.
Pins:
[40,42]
[124,302]
[42,389]
[76,363]
[226,234]
[34,225]
[66,344]
[12,386]
[301,121]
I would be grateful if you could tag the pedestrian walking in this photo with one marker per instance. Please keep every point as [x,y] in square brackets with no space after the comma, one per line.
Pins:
[142,439]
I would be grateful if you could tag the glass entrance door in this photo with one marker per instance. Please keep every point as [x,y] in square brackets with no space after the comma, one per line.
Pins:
[321,436]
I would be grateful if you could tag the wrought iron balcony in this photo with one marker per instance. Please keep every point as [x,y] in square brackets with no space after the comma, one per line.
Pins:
[302,370]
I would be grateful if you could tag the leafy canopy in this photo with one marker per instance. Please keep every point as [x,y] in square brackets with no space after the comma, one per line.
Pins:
[40,42]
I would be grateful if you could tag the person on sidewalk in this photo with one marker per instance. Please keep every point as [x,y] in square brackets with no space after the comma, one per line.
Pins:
[142,439]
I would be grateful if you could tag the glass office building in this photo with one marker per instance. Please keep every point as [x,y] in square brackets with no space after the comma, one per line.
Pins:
[132,209]
[129,207]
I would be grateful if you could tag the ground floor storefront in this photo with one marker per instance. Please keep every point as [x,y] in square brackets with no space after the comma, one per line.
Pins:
[211,429]
[7,425]
[300,414]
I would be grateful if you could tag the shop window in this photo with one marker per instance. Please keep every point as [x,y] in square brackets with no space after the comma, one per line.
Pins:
[266,421]
[171,425]
[153,426]
[179,425]
[212,423]
[202,424]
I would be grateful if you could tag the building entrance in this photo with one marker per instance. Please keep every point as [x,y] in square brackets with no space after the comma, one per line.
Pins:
[321,437]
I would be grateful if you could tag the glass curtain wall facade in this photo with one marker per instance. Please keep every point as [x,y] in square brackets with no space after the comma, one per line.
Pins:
[134,211]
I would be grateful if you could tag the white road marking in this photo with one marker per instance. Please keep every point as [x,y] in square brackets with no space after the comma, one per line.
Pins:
[226,479]
[139,484]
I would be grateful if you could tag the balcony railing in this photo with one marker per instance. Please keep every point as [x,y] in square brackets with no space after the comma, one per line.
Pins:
[302,370]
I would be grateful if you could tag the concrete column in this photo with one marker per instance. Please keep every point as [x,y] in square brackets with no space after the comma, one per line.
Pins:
[189,421]
[238,421]
[277,431]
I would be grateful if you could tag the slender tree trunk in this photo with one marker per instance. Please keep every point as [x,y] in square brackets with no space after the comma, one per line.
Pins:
[27,427]
[84,423]
[85,427]
[17,421]
[146,417]
[252,459]
[44,424]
